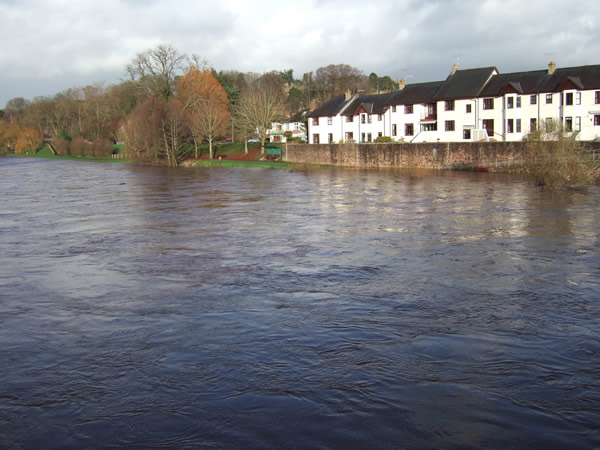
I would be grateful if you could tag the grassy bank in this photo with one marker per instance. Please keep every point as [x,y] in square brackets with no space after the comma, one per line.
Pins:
[238,163]
[46,153]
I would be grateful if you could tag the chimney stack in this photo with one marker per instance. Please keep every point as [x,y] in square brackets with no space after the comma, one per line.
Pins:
[454,68]
[401,84]
[348,94]
[551,67]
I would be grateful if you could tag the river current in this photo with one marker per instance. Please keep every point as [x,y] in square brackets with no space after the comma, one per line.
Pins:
[153,307]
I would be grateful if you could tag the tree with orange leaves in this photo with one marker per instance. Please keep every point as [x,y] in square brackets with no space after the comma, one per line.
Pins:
[28,139]
[206,105]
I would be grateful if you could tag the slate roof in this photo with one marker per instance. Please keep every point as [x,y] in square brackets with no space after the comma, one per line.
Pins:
[373,104]
[330,108]
[588,76]
[464,83]
[416,93]
[523,82]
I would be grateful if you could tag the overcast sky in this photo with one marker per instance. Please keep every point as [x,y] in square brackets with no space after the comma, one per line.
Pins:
[48,46]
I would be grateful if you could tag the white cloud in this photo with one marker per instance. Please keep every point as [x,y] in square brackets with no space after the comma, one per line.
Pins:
[52,42]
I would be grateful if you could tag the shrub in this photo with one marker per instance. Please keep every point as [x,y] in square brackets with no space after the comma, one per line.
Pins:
[559,162]
[62,134]
[62,147]
[381,139]
[102,148]
[78,147]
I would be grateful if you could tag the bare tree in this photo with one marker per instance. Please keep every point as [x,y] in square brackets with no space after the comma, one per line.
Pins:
[334,79]
[98,110]
[244,125]
[259,107]
[15,109]
[157,68]
[175,132]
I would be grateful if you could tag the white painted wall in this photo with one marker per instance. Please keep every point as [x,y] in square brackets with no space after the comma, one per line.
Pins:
[582,111]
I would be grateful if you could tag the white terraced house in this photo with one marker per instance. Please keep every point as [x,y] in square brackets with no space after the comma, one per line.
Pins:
[470,105]
[295,126]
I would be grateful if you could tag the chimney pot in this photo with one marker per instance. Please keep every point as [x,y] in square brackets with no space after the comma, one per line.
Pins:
[348,94]
[454,68]
[401,84]
[551,67]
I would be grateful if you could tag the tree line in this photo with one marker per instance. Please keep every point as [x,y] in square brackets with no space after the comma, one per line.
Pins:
[170,104]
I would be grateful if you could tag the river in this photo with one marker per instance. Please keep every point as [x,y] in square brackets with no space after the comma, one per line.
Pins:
[155,307]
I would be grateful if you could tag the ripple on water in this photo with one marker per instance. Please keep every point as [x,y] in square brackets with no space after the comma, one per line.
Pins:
[152,308]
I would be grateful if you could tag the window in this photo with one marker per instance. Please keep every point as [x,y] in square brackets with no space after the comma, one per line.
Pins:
[330,138]
[379,117]
[488,126]
[349,118]
[548,123]
[369,118]
[369,137]
[518,102]
[409,129]
[597,120]
[393,108]
[548,99]
[362,137]
[569,98]
[379,133]
[431,110]
[578,123]
[510,102]
[315,138]
[408,109]
[329,121]
[468,108]
[578,98]
[518,124]
[429,126]
[466,134]
[597,98]
[449,105]
[349,136]
[510,126]
[315,121]
[393,129]
[488,103]
[568,124]
[449,125]
[533,99]
[363,118]
[532,124]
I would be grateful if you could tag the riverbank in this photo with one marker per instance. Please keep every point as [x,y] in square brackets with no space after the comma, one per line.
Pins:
[68,158]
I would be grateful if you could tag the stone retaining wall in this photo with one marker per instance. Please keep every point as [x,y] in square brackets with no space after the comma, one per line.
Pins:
[443,155]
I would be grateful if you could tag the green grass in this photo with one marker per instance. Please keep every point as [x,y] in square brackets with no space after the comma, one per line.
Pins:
[237,163]
[222,148]
[45,152]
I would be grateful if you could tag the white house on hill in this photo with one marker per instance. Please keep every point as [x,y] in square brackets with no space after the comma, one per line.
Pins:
[295,126]
[470,105]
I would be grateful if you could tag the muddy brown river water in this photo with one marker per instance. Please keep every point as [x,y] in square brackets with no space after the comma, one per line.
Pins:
[152,307]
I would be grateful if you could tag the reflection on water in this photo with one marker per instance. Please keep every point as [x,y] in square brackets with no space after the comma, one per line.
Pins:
[260,308]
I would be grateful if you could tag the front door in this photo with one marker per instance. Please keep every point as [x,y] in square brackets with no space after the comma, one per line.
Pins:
[488,125]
